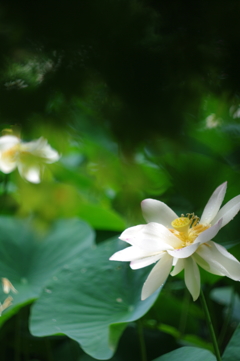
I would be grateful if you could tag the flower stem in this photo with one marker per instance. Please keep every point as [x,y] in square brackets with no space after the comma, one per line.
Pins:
[210,325]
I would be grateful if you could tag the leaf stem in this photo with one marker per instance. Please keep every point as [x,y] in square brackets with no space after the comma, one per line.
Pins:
[5,184]
[184,313]
[48,349]
[210,325]
[17,341]
[141,340]
[227,319]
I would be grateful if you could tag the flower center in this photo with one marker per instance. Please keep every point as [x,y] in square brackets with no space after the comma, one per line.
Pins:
[11,152]
[19,152]
[181,224]
[187,229]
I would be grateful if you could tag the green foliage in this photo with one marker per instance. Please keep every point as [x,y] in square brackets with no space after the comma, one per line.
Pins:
[233,348]
[92,301]
[188,354]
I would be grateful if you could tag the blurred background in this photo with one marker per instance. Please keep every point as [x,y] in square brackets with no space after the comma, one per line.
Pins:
[142,100]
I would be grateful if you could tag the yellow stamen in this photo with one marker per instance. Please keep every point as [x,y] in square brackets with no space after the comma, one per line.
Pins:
[194,219]
[187,229]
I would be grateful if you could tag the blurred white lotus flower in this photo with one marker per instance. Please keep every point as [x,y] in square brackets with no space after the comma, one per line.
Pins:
[7,303]
[8,286]
[182,242]
[29,157]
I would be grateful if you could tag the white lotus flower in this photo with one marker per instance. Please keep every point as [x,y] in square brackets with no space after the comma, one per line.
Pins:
[182,242]
[29,157]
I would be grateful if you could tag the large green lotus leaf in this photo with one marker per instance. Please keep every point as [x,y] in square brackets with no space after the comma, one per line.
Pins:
[92,301]
[232,350]
[29,261]
[188,354]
